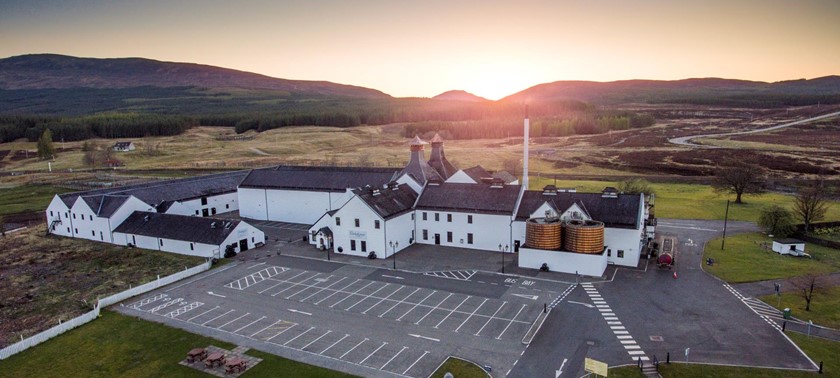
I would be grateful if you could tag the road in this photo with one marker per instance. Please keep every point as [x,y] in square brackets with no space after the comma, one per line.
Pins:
[686,140]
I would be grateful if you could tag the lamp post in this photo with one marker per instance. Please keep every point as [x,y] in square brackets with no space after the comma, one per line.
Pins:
[329,246]
[503,250]
[394,246]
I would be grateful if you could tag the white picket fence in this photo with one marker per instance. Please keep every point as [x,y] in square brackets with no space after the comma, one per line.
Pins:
[62,327]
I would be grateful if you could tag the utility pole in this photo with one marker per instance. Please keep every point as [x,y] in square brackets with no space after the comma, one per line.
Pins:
[725,220]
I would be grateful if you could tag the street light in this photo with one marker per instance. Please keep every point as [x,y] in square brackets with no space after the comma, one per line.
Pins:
[503,250]
[329,246]
[394,246]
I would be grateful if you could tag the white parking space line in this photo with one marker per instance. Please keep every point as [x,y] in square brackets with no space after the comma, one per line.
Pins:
[322,289]
[371,295]
[351,349]
[145,301]
[418,304]
[266,327]
[452,311]
[281,332]
[295,338]
[433,309]
[223,325]
[372,353]
[471,315]
[307,287]
[491,317]
[280,282]
[214,308]
[352,294]
[400,301]
[205,323]
[392,358]
[334,344]
[249,324]
[295,284]
[415,362]
[383,299]
[337,291]
[511,322]
[319,338]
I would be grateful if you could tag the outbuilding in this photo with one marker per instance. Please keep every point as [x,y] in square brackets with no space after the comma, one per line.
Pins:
[124,146]
[789,246]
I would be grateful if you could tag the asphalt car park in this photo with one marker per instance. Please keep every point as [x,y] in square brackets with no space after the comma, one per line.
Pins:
[358,319]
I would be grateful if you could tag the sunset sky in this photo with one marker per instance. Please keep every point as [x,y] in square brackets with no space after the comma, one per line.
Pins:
[422,48]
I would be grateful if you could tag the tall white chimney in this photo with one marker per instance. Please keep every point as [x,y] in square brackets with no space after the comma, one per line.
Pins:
[525,141]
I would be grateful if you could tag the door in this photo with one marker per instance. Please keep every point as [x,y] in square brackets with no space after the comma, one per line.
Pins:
[437,239]
[243,245]
[516,246]
[204,212]
[213,211]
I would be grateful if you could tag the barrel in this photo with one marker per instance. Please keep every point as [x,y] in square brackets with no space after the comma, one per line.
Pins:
[584,236]
[544,233]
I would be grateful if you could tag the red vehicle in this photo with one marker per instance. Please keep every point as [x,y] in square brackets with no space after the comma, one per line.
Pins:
[665,260]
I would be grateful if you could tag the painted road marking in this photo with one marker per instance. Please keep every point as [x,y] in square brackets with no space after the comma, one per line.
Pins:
[223,325]
[249,324]
[511,322]
[280,283]
[460,275]
[383,299]
[296,284]
[491,317]
[354,293]
[322,289]
[453,310]
[372,353]
[371,295]
[295,338]
[418,304]
[433,309]
[203,313]
[400,301]
[309,287]
[281,332]
[319,338]
[423,337]
[351,349]
[266,327]
[334,344]
[337,291]
[392,358]
[473,313]
[205,323]
[415,362]
[621,333]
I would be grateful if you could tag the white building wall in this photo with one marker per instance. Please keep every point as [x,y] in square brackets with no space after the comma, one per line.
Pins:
[252,203]
[294,206]
[461,178]
[86,225]
[222,203]
[244,231]
[784,249]
[565,262]
[345,233]
[58,211]
[488,230]
[325,221]
[414,185]
[129,206]
[400,229]
[168,245]
[627,240]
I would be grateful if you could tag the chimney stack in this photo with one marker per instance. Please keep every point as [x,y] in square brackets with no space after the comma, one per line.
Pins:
[525,150]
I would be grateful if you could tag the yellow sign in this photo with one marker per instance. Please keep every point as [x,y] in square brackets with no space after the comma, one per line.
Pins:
[595,367]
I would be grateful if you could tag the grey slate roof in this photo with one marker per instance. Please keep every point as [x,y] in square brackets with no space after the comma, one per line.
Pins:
[419,170]
[477,173]
[105,205]
[332,179]
[469,198]
[438,161]
[155,193]
[619,212]
[390,202]
[177,227]
[505,176]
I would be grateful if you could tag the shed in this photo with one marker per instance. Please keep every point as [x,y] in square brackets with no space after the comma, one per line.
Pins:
[794,247]
[123,146]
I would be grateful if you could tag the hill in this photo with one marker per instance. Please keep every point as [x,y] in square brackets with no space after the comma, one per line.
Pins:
[697,91]
[459,95]
[50,71]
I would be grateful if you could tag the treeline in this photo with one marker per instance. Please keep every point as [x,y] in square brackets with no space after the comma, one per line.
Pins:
[101,126]
[544,126]
[756,100]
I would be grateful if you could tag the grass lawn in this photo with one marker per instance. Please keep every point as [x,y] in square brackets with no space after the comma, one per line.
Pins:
[460,368]
[745,261]
[692,201]
[122,346]
[825,306]
[25,198]
[816,348]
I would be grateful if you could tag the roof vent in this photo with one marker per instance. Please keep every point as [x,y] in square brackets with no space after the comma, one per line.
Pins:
[145,218]
[213,225]
[550,190]
[375,191]
[497,183]
[228,225]
[434,182]
[609,192]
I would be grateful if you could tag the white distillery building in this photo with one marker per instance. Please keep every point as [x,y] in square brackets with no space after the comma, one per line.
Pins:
[187,235]
[378,221]
[304,194]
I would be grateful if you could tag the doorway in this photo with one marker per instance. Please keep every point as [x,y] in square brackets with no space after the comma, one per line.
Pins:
[204,212]
[437,239]
[243,245]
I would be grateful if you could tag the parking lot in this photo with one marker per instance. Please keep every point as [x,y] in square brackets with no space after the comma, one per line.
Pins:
[361,320]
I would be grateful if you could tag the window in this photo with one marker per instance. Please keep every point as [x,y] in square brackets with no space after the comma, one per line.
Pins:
[469,238]
[425,234]
[449,237]
[469,219]
[252,239]
[449,217]
[92,233]
[437,217]
[192,248]
[337,221]
[68,230]
[227,206]
[196,212]
[609,252]
[213,211]
[203,200]
[133,241]
[51,213]
[425,216]
[74,215]
[101,236]
[67,215]
[412,236]
[91,217]
[77,230]
[376,224]
[620,253]
[357,222]
[412,216]
[161,242]
[364,246]
[352,245]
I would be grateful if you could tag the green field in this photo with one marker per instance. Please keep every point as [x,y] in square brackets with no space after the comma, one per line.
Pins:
[744,260]
[116,345]
[24,198]
[460,368]
[825,306]
[692,201]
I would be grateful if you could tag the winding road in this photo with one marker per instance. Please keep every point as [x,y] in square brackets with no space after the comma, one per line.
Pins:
[686,140]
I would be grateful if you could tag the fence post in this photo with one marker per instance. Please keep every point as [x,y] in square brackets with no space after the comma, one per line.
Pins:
[668,358]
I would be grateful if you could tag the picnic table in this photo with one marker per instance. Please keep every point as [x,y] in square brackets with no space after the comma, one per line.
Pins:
[197,354]
[235,364]
[213,359]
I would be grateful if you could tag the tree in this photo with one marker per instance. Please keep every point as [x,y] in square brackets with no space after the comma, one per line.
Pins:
[2,226]
[777,221]
[811,204]
[739,177]
[91,156]
[46,150]
[635,185]
[806,286]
